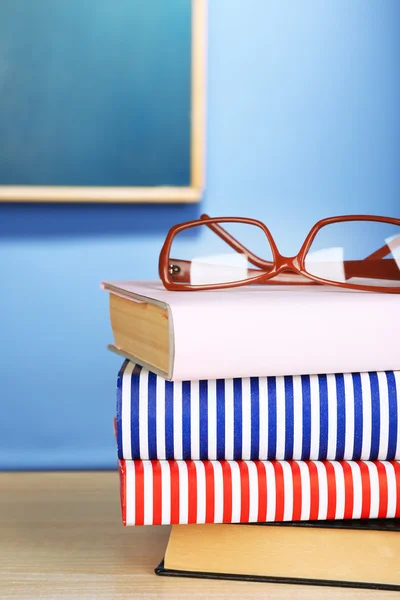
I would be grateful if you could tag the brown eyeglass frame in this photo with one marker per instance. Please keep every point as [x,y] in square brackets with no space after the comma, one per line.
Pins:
[175,273]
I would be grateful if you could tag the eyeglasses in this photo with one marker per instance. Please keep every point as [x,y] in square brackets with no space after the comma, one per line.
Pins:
[357,252]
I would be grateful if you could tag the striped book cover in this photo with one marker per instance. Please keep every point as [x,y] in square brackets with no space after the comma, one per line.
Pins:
[311,417]
[180,492]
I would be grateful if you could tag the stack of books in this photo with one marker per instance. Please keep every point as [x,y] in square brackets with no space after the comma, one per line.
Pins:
[263,424]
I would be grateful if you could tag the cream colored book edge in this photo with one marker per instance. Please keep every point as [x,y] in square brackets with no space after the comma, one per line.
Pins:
[143,331]
[319,555]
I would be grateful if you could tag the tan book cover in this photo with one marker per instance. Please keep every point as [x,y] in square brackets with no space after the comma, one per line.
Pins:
[359,553]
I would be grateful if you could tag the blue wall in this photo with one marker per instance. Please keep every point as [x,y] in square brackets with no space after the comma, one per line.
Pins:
[303,122]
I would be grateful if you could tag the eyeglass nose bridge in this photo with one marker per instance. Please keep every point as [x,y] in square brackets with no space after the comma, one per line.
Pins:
[286,263]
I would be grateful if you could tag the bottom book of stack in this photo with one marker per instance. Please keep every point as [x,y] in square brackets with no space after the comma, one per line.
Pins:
[352,553]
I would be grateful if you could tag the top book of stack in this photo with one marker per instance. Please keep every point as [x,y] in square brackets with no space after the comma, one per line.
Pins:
[253,330]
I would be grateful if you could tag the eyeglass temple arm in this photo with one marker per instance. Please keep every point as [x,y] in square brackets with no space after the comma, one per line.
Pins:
[236,245]
[380,253]
[180,273]
[373,266]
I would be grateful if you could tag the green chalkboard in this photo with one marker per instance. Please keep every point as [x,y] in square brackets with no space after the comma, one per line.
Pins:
[95,93]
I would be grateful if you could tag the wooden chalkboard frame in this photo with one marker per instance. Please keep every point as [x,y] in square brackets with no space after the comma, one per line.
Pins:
[164,194]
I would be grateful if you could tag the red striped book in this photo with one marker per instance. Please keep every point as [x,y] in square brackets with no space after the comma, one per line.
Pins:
[156,492]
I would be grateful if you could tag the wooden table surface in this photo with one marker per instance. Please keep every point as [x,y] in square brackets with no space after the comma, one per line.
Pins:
[61,536]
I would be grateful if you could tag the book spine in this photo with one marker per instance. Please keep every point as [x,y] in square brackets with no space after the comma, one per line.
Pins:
[181,492]
[352,416]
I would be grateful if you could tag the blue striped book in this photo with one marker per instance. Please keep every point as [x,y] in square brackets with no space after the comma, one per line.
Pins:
[354,416]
